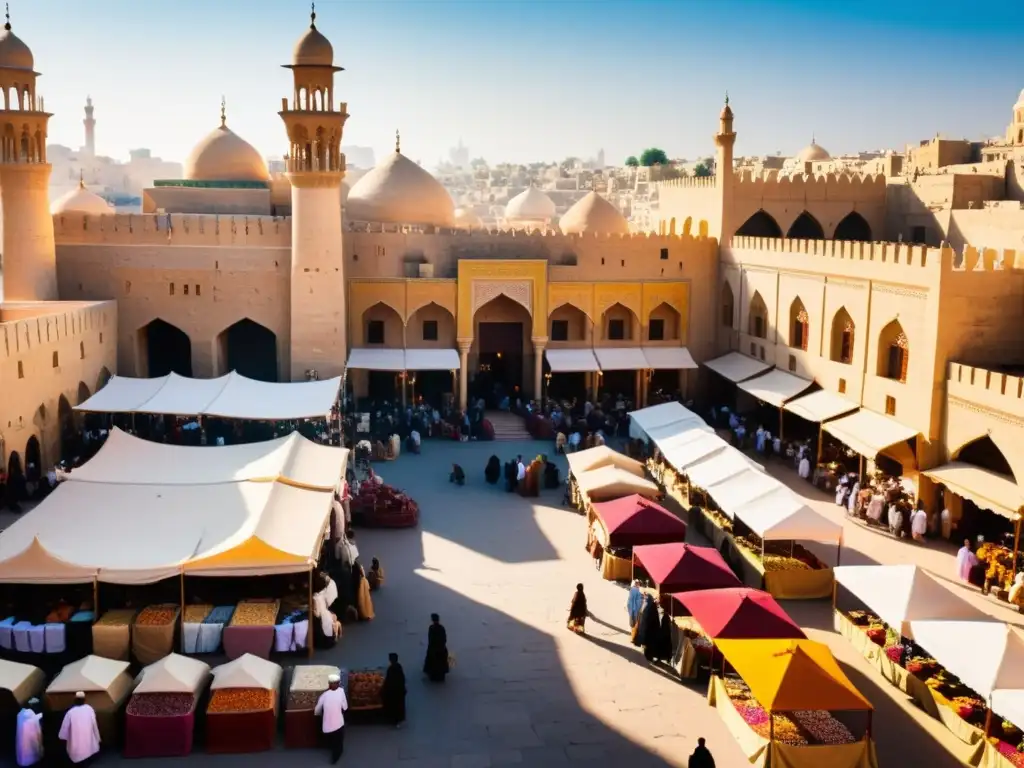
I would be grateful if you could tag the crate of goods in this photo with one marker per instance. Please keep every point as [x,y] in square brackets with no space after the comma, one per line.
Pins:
[153,633]
[159,725]
[364,689]
[241,720]
[111,635]
[251,629]
[301,727]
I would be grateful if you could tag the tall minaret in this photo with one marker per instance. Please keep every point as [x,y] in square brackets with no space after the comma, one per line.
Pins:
[90,128]
[315,170]
[30,270]
[725,175]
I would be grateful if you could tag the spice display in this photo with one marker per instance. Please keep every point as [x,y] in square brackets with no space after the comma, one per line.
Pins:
[298,700]
[241,700]
[195,614]
[255,615]
[800,559]
[998,562]
[118,618]
[220,615]
[160,704]
[1012,754]
[794,728]
[822,727]
[157,615]
[381,506]
[364,688]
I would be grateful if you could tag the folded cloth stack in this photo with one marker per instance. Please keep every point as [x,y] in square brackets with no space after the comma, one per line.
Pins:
[212,627]
[6,634]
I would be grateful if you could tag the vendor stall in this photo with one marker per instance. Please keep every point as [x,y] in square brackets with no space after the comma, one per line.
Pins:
[111,635]
[380,506]
[678,567]
[602,456]
[671,415]
[153,632]
[106,685]
[301,728]
[242,713]
[870,435]
[251,629]
[792,705]
[160,719]
[191,621]
[18,684]
[610,482]
[617,526]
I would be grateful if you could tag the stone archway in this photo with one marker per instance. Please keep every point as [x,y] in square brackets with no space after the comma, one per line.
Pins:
[431,326]
[249,349]
[501,357]
[163,349]
[761,224]
[853,227]
[805,227]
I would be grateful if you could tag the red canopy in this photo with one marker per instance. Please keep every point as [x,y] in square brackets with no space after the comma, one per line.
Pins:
[739,613]
[634,520]
[684,567]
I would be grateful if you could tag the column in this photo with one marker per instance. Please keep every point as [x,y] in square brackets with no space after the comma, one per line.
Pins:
[464,372]
[638,391]
[538,367]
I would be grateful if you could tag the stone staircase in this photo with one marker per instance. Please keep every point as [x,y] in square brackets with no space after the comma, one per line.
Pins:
[507,426]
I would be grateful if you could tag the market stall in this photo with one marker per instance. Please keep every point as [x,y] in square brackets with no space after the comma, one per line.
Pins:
[608,483]
[106,685]
[365,690]
[775,388]
[618,526]
[678,567]
[301,727]
[381,506]
[251,629]
[871,437]
[242,713]
[602,456]
[112,634]
[18,684]
[153,632]
[160,718]
[790,704]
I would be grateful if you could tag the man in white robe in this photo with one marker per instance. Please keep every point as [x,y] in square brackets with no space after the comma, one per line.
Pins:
[80,732]
[29,735]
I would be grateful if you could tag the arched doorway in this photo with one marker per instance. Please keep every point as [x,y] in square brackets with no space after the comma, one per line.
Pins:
[164,349]
[984,453]
[806,227]
[570,326]
[102,379]
[761,224]
[15,487]
[66,422]
[382,327]
[33,460]
[841,337]
[620,327]
[971,518]
[853,227]
[431,327]
[250,349]
[503,328]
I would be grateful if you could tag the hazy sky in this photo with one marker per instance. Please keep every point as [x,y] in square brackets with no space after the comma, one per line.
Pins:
[535,80]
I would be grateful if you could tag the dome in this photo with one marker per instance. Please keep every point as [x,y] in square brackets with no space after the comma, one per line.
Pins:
[530,205]
[593,215]
[313,50]
[14,54]
[398,191]
[81,200]
[812,153]
[466,218]
[225,156]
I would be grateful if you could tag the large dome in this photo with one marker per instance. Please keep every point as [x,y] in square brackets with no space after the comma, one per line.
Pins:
[14,54]
[593,215]
[398,191]
[812,153]
[313,50]
[81,200]
[530,205]
[225,156]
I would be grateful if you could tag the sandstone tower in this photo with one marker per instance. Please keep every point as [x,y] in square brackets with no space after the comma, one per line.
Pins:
[315,169]
[90,128]
[724,174]
[30,272]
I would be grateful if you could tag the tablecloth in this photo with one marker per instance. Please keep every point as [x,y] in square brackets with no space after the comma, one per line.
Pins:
[159,736]
[257,640]
[239,732]
[616,568]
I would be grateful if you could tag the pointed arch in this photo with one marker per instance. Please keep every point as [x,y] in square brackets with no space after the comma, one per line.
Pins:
[618,322]
[983,452]
[805,227]
[164,349]
[853,227]
[382,326]
[431,326]
[761,224]
[893,352]
[567,322]
[757,317]
[33,459]
[799,325]
[102,378]
[250,349]
[664,323]
[842,337]
[728,306]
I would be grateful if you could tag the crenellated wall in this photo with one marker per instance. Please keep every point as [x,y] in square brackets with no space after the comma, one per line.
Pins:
[984,403]
[182,229]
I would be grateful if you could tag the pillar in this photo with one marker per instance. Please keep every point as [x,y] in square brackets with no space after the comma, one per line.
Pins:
[464,373]
[30,260]
[638,388]
[538,367]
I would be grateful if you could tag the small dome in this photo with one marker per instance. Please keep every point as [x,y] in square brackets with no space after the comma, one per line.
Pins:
[593,215]
[466,218]
[398,191]
[812,153]
[81,200]
[313,50]
[225,156]
[14,54]
[530,205]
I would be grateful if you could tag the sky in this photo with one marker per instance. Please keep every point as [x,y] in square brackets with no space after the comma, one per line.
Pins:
[534,80]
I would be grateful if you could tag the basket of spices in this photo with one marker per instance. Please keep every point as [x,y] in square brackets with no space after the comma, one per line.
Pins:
[242,713]
[301,728]
[153,632]
[111,635]
[251,629]
[364,689]
[160,719]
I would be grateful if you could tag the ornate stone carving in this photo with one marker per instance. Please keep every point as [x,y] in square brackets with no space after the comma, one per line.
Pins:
[520,291]
[1006,418]
[896,291]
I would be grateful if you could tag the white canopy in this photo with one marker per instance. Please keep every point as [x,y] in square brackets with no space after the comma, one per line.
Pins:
[735,492]
[125,459]
[736,367]
[869,433]
[682,455]
[247,671]
[432,360]
[677,432]
[91,674]
[602,456]
[376,359]
[985,655]
[621,358]
[719,468]
[775,387]
[174,674]
[571,360]
[232,397]
[1009,704]
[820,406]
[901,594]
[661,414]
[781,515]
[668,358]
[989,490]
[607,483]
[34,564]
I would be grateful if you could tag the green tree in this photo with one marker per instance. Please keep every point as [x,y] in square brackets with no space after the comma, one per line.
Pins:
[632,162]
[653,156]
[701,171]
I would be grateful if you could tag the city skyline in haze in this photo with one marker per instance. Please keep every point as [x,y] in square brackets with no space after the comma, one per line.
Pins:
[529,81]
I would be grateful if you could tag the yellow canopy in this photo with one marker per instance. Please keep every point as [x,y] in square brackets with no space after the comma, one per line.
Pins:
[789,675]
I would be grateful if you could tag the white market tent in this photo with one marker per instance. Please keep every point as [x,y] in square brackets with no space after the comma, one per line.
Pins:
[736,367]
[173,674]
[775,387]
[608,483]
[571,360]
[741,489]
[1009,704]
[91,674]
[901,594]
[661,415]
[820,406]
[128,460]
[780,515]
[986,655]
[719,468]
[702,446]
[432,360]
[247,671]
[869,433]
[231,397]
[602,456]
[676,433]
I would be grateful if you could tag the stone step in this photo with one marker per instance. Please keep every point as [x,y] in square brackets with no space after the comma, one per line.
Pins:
[507,426]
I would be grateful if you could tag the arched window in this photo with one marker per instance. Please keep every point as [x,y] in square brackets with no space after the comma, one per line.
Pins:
[757,320]
[842,337]
[893,352]
[806,227]
[799,325]
[727,306]
[853,227]
[761,224]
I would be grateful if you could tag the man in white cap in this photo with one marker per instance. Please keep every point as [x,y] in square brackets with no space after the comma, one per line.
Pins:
[80,732]
[29,735]
[332,705]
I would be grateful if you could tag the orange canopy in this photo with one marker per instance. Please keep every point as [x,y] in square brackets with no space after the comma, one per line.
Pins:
[789,675]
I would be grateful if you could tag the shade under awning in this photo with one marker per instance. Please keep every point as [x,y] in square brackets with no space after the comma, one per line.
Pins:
[869,433]
[571,360]
[820,406]
[431,360]
[668,358]
[989,490]
[621,358]
[736,367]
[362,358]
[775,387]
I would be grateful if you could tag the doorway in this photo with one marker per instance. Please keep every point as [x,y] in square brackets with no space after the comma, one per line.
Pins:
[499,362]
[383,387]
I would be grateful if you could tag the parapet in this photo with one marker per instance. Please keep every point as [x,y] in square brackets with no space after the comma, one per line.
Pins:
[481,234]
[172,229]
[974,259]
[26,326]
[851,250]
[691,182]
[995,389]
[841,186]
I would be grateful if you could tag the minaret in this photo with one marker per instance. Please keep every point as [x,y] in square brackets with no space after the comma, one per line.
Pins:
[725,175]
[90,128]
[315,170]
[30,270]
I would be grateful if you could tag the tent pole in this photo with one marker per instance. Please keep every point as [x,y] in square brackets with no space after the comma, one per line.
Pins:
[310,632]
[835,590]
[860,470]
[182,611]
[95,599]
[988,722]
[1016,544]
[821,434]
[781,433]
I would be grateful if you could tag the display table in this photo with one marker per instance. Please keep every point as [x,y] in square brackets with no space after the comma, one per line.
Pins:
[111,635]
[153,632]
[251,629]
[191,621]
[159,725]
[241,720]
[364,689]
[615,568]
[301,727]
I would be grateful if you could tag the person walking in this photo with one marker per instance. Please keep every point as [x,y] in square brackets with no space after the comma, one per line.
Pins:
[578,611]
[80,732]
[701,757]
[393,691]
[435,665]
[28,738]
[332,705]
